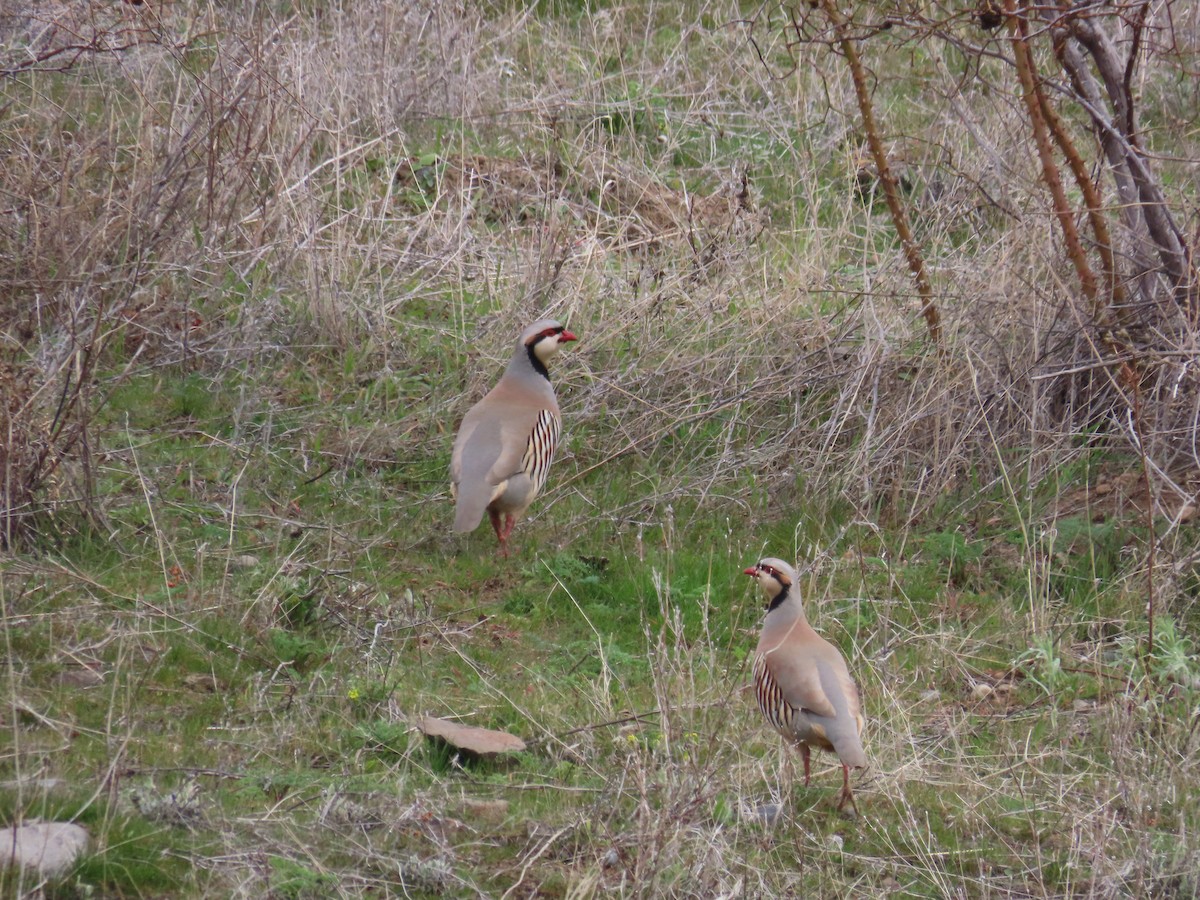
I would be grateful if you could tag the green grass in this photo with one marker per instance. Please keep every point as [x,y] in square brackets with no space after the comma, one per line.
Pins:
[258,666]
[277,693]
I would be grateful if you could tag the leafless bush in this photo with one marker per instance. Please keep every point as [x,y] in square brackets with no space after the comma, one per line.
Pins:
[1109,353]
[116,200]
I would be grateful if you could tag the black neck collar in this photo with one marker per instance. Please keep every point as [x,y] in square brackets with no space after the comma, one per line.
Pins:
[538,365]
[780,597]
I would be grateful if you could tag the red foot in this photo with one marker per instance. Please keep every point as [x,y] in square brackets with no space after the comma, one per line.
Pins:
[503,528]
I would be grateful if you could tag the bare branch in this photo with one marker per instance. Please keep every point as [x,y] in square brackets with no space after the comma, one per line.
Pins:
[912,249]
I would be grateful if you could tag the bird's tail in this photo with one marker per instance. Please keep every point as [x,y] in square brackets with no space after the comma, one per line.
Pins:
[468,509]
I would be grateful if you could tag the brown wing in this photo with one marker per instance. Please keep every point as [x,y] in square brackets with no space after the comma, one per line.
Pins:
[797,679]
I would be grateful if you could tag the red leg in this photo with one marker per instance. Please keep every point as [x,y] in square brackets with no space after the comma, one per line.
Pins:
[509,521]
[847,795]
[804,754]
[501,531]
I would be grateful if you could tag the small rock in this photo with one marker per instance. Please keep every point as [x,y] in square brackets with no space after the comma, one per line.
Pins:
[835,842]
[981,691]
[930,696]
[246,561]
[610,859]
[49,847]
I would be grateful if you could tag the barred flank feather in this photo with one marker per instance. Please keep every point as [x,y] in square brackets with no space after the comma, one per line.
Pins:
[540,450]
[770,698]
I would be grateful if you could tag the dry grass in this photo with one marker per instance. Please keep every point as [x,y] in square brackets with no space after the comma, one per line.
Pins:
[303,137]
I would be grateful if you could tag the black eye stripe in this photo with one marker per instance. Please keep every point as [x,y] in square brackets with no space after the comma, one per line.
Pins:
[549,332]
[783,580]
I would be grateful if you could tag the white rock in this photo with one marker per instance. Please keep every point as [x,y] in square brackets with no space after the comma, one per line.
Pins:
[981,691]
[49,847]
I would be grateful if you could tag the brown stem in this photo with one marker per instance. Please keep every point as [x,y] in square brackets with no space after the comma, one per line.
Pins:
[1141,249]
[891,191]
[1113,289]
[1135,46]
[1019,30]
[1172,248]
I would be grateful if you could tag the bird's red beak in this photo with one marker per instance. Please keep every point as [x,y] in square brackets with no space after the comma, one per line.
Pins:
[566,336]
[752,571]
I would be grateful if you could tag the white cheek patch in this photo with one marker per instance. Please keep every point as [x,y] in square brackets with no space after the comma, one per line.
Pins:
[546,347]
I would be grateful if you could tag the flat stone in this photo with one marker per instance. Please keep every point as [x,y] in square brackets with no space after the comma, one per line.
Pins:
[49,847]
[482,741]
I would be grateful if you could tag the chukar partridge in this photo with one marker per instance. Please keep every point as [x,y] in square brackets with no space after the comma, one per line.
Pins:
[507,439]
[801,681]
